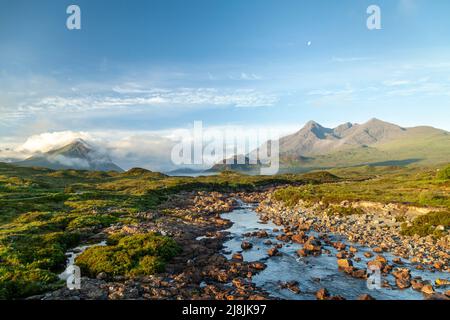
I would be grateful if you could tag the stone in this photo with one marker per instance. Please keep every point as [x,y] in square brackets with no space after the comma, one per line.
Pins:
[366,297]
[353,249]
[344,263]
[427,289]
[102,276]
[417,284]
[299,238]
[442,282]
[257,265]
[322,294]
[245,245]
[237,256]
[272,252]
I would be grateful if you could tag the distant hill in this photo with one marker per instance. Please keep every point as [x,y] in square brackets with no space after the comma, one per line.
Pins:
[78,155]
[375,142]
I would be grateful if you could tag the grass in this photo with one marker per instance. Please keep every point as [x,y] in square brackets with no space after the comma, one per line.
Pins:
[413,186]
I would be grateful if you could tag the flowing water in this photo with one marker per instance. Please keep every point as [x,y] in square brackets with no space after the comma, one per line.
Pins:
[312,273]
[72,254]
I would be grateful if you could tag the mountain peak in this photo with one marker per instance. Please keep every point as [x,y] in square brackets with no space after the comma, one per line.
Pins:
[312,124]
[78,155]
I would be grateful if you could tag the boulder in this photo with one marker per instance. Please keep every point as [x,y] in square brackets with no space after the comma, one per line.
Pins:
[299,238]
[427,289]
[322,294]
[257,265]
[245,245]
[237,256]
[344,263]
[272,252]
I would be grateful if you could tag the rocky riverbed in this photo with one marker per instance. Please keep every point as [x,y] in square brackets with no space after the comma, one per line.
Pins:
[371,237]
[201,271]
[230,252]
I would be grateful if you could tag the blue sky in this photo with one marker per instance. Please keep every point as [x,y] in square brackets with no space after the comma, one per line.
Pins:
[159,65]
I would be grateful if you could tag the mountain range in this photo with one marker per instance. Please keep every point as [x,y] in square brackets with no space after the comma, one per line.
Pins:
[375,142]
[78,155]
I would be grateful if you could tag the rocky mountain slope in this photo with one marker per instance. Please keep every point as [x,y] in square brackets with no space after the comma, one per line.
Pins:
[78,155]
[372,143]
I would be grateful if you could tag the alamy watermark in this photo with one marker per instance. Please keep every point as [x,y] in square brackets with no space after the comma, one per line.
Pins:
[72,275]
[229,146]
[73,22]
[373,277]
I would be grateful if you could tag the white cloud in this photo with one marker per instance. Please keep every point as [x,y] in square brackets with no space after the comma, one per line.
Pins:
[148,149]
[51,140]
[125,97]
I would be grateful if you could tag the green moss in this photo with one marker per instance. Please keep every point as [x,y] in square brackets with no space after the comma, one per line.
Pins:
[141,254]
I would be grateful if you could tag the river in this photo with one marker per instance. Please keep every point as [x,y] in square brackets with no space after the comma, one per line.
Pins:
[312,272]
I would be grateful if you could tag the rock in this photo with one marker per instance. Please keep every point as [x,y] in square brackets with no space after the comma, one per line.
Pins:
[344,263]
[417,284]
[379,262]
[442,282]
[245,245]
[359,273]
[427,289]
[292,286]
[239,283]
[353,249]
[299,238]
[368,254]
[438,265]
[273,252]
[102,276]
[262,234]
[366,297]
[237,256]
[402,278]
[339,246]
[302,253]
[313,246]
[341,254]
[257,265]
[447,293]
[322,294]
[397,261]
[283,237]
[377,250]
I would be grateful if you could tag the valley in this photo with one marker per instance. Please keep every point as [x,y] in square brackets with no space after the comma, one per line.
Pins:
[169,237]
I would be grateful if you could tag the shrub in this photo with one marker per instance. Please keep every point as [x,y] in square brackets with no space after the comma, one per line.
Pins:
[94,220]
[444,174]
[426,224]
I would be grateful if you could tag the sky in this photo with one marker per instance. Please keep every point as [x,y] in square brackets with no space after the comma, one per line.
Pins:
[139,71]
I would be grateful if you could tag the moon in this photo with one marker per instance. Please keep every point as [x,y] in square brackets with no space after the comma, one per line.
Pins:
[309,43]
